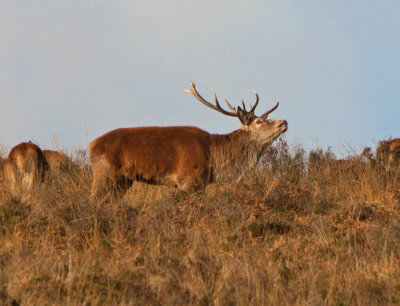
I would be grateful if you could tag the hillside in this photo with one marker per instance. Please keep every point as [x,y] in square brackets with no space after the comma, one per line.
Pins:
[301,229]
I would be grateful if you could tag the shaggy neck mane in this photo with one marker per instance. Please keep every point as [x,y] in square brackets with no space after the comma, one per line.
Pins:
[233,154]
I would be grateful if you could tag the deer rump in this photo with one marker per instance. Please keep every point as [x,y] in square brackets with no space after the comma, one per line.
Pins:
[24,167]
[166,155]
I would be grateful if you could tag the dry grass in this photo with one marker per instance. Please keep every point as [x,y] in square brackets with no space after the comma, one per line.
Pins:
[283,235]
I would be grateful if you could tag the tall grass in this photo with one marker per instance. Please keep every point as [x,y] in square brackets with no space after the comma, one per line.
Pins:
[302,228]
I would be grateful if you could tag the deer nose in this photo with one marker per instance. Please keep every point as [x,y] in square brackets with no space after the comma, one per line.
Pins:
[283,122]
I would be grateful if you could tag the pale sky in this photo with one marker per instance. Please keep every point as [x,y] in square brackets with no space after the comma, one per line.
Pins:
[73,70]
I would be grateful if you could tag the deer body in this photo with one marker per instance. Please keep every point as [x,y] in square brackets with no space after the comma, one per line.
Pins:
[57,161]
[166,155]
[184,156]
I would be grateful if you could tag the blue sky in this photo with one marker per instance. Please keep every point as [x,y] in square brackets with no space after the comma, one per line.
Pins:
[73,70]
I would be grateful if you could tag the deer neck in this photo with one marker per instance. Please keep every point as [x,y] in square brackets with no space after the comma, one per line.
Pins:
[231,155]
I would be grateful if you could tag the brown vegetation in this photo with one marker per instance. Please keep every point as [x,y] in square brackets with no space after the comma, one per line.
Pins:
[182,156]
[286,234]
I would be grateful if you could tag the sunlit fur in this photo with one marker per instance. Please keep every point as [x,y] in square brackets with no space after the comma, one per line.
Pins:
[57,161]
[183,156]
[24,168]
[394,152]
[388,153]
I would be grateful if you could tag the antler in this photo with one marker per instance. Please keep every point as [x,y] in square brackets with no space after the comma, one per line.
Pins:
[250,113]
[265,115]
[216,107]
[233,113]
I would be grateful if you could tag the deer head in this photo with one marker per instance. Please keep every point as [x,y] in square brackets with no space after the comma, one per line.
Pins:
[260,128]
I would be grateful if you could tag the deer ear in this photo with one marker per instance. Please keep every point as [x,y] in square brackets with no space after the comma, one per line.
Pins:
[242,116]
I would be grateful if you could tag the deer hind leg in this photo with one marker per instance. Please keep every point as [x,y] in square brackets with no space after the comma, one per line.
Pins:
[99,184]
[12,179]
[28,181]
[105,182]
[30,175]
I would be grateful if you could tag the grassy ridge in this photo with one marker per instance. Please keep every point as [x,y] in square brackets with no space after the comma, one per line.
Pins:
[303,230]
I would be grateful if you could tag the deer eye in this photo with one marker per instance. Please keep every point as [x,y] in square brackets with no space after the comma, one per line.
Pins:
[259,121]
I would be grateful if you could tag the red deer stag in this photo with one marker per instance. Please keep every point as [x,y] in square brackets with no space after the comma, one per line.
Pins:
[24,167]
[183,156]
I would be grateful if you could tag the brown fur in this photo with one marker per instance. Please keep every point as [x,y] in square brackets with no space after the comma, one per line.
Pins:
[57,160]
[394,152]
[233,154]
[184,156]
[24,168]
[388,153]
[382,152]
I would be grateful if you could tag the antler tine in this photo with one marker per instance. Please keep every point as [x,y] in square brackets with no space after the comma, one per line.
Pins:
[265,115]
[250,113]
[233,109]
[216,99]
[255,104]
[244,107]
[216,107]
